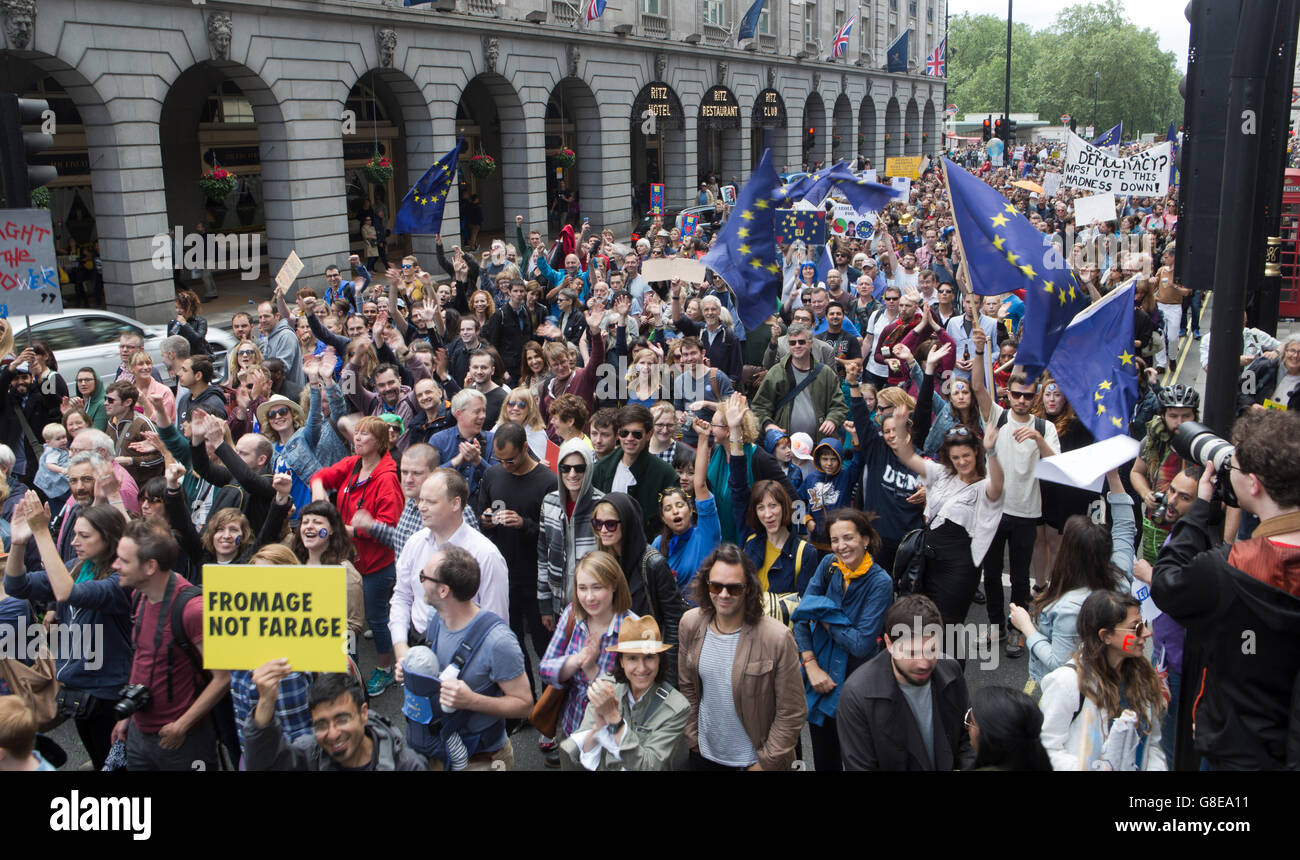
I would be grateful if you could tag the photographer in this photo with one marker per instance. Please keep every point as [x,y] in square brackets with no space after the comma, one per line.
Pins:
[1240,603]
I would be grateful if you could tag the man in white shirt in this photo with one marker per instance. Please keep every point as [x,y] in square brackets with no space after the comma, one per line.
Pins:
[906,275]
[876,324]
[1022,441]
[443,498]
[960,329]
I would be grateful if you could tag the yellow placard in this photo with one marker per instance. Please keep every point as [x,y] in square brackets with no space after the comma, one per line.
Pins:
[256,613]
[1270,403]
[909,166]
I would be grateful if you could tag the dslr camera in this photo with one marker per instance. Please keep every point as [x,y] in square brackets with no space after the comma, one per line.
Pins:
[1196,443]
[131,699]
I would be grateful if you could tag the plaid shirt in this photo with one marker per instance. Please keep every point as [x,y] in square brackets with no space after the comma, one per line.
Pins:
[575,703]
[395,537]
[668,453]
[291,709]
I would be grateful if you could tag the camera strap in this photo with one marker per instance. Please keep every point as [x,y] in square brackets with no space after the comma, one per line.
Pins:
[1278,525]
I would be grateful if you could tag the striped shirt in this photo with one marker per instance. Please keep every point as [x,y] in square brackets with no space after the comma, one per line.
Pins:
[722,736]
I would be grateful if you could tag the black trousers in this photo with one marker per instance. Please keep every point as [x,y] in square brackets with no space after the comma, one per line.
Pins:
[1019,533]
[526,619]
[950,576]
[826,746]
[699,762]
[96,730]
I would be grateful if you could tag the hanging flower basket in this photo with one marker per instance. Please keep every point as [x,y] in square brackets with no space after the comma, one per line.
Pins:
[907,137]
[217,184]
[41,197]
[481,166]
[888,137]
[379,169]
[564,157]
[835,139]
[925,135]
[862,141]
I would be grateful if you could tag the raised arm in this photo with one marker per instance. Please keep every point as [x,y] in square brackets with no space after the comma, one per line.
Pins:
[993,488]
[978,384]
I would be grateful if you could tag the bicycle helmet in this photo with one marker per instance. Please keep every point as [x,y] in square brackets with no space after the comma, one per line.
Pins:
[1176,396]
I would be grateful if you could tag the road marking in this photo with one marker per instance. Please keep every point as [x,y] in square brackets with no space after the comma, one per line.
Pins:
[1170,371]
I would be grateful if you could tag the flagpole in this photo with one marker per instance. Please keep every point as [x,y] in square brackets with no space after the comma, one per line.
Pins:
[965,264]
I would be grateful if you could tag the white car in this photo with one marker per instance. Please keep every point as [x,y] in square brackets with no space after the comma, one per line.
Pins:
[86,337]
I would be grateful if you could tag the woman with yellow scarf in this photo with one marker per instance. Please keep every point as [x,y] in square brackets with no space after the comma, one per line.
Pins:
[838,623]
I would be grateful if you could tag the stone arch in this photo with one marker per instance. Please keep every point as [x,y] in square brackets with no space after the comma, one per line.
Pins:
[490,115]
[893,129]
[814,118]
[867,129]
[769,113]
[912,129]
[573,122]
[842,143]
[929,127]
[660,157]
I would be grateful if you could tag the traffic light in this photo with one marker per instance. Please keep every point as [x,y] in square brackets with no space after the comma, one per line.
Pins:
[1000,129]
[1074,124]
[988,126]
[1011,131]
[19,150]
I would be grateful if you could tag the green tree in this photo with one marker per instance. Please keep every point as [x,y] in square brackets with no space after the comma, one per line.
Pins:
[977,71]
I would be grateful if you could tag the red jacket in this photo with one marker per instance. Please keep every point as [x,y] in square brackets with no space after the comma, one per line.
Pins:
[381,496]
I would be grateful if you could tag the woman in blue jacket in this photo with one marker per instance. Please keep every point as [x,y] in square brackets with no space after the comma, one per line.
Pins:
[838,624]
[92,609]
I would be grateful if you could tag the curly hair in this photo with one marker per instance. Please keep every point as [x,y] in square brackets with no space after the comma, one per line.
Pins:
[729,553]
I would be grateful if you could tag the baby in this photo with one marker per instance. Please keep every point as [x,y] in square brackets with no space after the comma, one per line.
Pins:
[52,476]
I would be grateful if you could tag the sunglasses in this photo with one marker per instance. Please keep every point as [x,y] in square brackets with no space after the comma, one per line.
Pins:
[1138,629]
[605,525]
[735,589]
[957,433]
[1021,395]
[516,404]
[798,343]
[579,468]
[434,580]
[407,266]
[635,434]
[277,413]
[243,352]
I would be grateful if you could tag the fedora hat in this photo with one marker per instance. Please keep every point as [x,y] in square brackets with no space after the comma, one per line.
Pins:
[639,636]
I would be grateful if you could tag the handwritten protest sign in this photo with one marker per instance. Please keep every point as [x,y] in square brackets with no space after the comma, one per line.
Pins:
[909,166]
[793,225]
[255,613]
[29,272]
[1092,168]
[289,271]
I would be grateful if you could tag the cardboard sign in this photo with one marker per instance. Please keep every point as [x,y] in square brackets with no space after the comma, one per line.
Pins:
[728,194]
[689,223]
[29,271]
[256,613]
[794,225]
[1089,210]
[1094,169]
[851,224]
[909,166]
[289,271]
[1051,184]
[667,268]
[656,198]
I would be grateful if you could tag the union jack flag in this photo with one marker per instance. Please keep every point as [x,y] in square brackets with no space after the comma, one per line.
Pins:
[937,65]
[840,44]
[594,9]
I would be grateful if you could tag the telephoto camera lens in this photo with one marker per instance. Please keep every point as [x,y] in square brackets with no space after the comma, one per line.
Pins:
[1198,444]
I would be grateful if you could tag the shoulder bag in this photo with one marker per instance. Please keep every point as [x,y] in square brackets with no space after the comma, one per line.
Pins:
[545,715]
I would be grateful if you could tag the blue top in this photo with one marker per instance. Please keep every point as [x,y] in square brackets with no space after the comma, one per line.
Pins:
[301,492]
[686,551]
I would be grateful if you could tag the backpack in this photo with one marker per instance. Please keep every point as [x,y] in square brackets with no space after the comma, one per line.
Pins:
[910,563]
[1040,424]
[174,606]
[426,722]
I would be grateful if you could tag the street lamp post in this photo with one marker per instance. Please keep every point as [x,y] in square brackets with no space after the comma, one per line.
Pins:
[1096,86]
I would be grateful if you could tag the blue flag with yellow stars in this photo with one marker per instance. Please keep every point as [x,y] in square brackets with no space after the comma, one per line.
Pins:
[421,210]
[1093,364]
[744,251]
[1110,137]
[1004,252]
[862,195]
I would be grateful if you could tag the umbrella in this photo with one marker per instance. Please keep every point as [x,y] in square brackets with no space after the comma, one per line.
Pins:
[1028,186]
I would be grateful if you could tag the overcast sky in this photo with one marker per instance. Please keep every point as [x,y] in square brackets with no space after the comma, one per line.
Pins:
[1164,16]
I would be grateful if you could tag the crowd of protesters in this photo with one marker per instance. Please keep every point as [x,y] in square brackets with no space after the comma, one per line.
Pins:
[694,537]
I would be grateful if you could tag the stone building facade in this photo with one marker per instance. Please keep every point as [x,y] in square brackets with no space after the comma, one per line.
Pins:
[295,97]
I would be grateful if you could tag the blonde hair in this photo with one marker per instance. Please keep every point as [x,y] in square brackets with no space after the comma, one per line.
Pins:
[894,397]
[274,553]
[533,419]
[52,431]
[6,338]
[232,358]
[604,567]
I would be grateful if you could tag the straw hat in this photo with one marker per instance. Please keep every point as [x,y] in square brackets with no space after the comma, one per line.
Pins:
[276,400]
[639,636]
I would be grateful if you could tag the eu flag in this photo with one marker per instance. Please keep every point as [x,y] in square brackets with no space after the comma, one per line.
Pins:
[749,24]
[744,252]
[862,195]
[897,54]
[1004,252]
[1110,138]
[421,210]
[824,263]
[1093,364]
